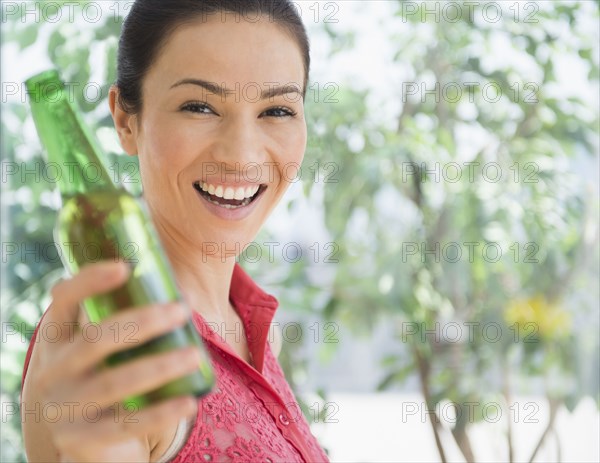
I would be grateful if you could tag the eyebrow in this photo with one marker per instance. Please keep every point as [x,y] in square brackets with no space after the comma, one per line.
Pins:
[216,89]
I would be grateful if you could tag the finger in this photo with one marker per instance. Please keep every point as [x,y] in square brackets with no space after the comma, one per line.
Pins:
[137,377]
[115,335]
[92,279]
[125,424]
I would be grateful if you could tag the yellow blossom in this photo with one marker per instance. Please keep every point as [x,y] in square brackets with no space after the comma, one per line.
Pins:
[550,321]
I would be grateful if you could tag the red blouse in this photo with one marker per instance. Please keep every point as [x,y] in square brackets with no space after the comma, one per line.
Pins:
[252,415]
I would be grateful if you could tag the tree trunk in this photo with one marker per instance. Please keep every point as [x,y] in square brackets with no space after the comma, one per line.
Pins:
[507,397]
[554,404]
[423,366]
[462,440]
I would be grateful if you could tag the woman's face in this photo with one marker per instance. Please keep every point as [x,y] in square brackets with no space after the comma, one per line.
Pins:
[193,138]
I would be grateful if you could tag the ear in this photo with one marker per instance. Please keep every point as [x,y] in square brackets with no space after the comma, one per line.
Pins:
[125,124]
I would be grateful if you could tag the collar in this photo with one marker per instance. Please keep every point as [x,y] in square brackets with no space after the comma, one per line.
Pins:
[256,309]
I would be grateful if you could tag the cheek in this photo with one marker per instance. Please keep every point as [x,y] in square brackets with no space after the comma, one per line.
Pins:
[292,146]
[166,148]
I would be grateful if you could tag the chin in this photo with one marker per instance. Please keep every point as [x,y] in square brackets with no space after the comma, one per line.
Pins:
[224,245]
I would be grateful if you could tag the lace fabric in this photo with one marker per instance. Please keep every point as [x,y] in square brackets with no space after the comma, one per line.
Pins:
[248,417]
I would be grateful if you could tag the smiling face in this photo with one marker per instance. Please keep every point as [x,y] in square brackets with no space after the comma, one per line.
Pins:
[202,154]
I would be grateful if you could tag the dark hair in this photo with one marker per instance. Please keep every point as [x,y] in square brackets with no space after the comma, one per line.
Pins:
[149,24]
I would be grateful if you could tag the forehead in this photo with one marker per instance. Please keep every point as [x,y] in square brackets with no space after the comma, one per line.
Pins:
[229,52]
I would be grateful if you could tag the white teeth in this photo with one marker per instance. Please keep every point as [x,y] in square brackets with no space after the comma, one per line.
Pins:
[240,194]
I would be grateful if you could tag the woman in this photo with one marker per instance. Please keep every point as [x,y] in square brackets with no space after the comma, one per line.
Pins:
[210,97]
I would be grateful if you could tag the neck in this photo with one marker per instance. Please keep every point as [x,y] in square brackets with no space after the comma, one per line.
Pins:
[204,280]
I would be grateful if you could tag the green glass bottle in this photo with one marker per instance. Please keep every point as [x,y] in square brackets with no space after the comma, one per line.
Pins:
[101,221]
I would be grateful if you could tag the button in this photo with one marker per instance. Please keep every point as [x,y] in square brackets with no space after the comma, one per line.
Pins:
[283,419]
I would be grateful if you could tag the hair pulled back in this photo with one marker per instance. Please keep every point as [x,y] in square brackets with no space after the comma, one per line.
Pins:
[149,24]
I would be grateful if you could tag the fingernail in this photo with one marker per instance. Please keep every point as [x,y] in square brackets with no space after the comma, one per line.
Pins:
[193,355]
[187,403]
[124,266]
[177,312]
[117,270]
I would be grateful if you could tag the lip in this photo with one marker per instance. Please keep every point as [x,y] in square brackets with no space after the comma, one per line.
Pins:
[232,214]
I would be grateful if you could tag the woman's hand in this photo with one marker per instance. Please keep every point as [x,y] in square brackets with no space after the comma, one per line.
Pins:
[70,409]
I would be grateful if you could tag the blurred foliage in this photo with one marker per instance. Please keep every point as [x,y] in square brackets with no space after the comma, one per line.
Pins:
[383,199]
[519,307]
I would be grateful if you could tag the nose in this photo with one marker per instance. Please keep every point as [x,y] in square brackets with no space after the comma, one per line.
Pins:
[240,144]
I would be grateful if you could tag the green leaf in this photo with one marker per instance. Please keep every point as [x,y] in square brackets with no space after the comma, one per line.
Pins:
[28,36]
[55,44]
[396,376]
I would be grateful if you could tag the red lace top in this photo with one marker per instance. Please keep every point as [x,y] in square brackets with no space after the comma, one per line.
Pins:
[252,415]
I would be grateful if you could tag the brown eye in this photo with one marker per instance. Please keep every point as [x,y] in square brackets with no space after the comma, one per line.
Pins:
[279,112]
[197,107]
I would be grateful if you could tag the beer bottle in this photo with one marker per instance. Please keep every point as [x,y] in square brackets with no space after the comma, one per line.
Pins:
[100,220]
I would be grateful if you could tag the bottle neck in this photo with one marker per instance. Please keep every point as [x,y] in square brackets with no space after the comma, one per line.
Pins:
[69,146]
